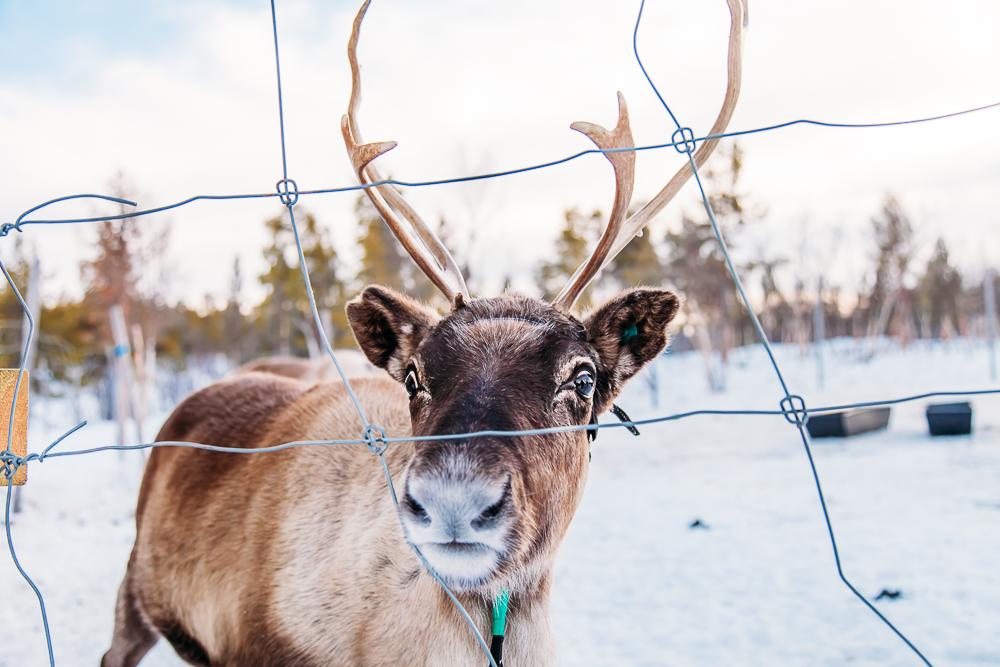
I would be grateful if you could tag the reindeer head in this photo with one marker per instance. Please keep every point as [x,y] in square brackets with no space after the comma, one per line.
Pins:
[487,507]
[489,511]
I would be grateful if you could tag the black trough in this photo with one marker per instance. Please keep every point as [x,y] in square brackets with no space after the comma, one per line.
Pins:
[846,423]
[950,418]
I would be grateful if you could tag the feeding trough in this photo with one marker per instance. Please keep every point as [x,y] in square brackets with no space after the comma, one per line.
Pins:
[846,423]
[950,418]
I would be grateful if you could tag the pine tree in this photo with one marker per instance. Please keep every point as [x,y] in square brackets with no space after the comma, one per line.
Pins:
[382,258]
[889,300]
[278,304]
[234,324]
[939,292]
[637,264]
[572,248]
[697,265]
[329,289]
[123,272]
[111,276]
[775,309]
[285,311]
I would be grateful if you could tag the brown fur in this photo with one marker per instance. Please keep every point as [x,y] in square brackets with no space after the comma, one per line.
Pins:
[299,558]
[311,370]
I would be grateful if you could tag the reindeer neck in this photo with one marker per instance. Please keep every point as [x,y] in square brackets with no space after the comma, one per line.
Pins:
[527,632]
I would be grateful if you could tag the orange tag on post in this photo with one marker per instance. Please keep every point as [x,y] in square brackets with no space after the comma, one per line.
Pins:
[19,442]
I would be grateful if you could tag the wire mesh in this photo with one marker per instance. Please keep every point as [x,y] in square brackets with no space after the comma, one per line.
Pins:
[792,407]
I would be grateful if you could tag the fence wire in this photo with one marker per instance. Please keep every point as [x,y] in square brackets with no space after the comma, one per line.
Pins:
[792,407]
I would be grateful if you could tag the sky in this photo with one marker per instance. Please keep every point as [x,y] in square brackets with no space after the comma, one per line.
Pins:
[181,98]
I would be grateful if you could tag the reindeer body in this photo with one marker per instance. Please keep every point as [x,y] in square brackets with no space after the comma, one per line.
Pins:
[294,557]
[298,557]
[312,370]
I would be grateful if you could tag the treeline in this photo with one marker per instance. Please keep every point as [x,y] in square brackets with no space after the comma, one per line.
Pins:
[901,296]
[898,296]
[75,344]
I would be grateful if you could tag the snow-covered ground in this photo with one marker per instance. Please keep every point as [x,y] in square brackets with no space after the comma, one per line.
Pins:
[635,585]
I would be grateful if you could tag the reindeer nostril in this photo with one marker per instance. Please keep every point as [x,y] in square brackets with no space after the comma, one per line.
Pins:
[416,509]
[489,515]
[492,512]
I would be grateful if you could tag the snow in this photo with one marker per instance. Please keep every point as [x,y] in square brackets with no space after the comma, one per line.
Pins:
[634,584]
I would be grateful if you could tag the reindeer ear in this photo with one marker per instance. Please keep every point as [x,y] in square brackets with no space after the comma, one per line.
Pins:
[628,331]
[389,326]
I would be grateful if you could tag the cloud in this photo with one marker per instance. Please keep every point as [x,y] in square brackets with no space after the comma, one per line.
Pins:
[487,86]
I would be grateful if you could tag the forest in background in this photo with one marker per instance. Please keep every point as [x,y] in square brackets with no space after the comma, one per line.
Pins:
[900,296]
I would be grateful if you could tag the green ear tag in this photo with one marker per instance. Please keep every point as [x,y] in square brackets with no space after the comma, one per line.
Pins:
[630,333]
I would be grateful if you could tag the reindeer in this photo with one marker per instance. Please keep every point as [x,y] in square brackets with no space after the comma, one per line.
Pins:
[311,370]
[297,558]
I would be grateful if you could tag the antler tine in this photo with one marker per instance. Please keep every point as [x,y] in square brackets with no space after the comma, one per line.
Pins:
[623,163]
[638,221]
[417,238]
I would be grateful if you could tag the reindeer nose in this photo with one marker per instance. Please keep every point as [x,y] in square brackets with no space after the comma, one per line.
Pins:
[456,509]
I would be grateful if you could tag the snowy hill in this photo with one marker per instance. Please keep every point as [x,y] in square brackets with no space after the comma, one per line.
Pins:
[635,584]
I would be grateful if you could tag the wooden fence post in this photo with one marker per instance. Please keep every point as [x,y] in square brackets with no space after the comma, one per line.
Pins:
[19,442]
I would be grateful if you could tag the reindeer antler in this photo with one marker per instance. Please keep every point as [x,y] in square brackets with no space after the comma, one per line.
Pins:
[619,232]
[623,164]
[417,238]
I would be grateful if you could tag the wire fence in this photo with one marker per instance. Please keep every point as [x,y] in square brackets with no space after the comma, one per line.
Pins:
[791,406]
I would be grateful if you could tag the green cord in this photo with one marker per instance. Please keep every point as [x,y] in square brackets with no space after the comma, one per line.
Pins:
[500,613]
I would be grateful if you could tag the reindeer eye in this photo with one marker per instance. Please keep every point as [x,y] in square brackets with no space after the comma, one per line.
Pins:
[411,383]
[584,384]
